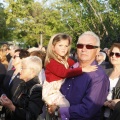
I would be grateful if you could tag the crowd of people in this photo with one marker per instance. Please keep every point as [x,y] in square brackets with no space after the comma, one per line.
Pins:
[39,84]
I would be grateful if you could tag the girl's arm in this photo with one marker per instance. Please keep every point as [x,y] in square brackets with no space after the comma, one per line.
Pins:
[59,70]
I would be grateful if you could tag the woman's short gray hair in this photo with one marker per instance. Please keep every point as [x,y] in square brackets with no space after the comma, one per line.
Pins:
[103,54]
[34,63]
[92,34]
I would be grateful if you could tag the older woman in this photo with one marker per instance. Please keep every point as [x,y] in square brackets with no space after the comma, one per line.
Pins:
[26,103]
[41,55]
[114,77]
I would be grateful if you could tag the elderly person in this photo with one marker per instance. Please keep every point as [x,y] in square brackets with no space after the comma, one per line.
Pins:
[26,103]
[114,78]
[41,55]
[87,92]
[100,58]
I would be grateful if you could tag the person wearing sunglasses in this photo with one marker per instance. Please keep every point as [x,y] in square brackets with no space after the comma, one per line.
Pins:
[114,78]
[86,93]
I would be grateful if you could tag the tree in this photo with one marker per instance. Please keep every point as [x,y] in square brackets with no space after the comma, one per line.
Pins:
[2,23]
[27,20]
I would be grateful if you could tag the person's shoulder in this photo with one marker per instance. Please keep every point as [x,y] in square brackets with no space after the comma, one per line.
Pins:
[108,71]
[35,88]
[2,68]
[52,61]
[99,73]
[2,65]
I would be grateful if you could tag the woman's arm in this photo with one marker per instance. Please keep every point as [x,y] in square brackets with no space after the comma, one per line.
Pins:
[5,101]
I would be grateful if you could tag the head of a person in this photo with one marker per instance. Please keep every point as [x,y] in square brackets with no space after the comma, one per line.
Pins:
[5,48]
[101,56]
[19,55]
[58,47]
[106,50]
[31,70]
[88,46]
[39,54]
[114,54]
[2,56]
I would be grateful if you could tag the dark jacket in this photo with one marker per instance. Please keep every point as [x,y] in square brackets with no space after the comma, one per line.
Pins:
[116,113]
[2,73]
[7,88]
[28,105]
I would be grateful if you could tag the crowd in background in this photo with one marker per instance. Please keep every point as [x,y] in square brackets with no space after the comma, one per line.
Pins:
[23,75]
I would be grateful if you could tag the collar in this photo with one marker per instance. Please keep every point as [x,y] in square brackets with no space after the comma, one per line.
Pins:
[77,64]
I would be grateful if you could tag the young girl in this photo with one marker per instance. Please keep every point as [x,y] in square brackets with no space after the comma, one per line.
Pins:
[57,68]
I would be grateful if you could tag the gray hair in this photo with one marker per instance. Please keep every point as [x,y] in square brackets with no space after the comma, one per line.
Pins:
[33,62]
[91,34]
[103,54]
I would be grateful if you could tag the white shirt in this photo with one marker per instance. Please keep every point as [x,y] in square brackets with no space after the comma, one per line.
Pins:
[113,83]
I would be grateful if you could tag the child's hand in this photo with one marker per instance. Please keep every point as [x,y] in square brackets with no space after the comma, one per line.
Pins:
[89,68]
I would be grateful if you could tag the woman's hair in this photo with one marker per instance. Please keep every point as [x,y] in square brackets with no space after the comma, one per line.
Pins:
[22,53]
[114,45]
[33,62]
[39,54]
[5,47]
[53,41]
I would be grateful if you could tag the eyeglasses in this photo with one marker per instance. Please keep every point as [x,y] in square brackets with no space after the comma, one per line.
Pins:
[80,46]
[15,56]
[116,54]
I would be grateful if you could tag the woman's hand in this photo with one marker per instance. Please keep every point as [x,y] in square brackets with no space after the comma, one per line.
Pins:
[114,102]
[107,103]
[5,101]
[111,104]
[52,108]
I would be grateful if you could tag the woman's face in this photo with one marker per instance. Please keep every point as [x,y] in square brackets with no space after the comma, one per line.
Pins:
[25,73]
[114,58]
[16,59]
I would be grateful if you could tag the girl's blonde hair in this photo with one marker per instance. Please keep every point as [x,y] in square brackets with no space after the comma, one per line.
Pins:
[53,41]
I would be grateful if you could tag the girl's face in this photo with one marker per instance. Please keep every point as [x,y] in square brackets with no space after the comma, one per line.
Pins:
[61,47]
[16,59]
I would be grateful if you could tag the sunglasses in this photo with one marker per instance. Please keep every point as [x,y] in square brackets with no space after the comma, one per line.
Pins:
[116,54]
[80,46]
[15,57]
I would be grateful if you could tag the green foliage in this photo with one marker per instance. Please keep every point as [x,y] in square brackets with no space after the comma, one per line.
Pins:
[24,20]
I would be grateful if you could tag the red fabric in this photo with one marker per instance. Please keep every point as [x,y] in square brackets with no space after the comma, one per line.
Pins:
[55,71]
